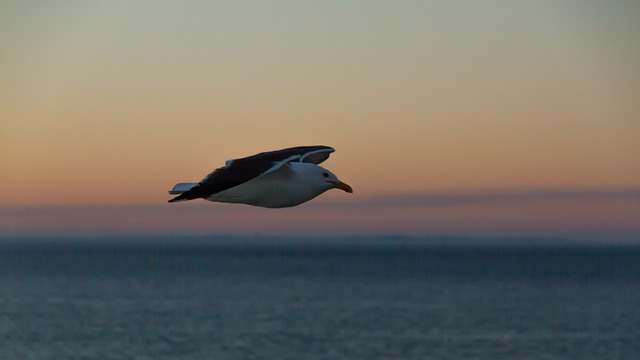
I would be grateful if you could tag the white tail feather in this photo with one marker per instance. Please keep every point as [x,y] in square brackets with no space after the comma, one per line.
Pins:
[179,188]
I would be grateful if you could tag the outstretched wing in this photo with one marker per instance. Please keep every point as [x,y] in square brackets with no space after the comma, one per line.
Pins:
[239,171]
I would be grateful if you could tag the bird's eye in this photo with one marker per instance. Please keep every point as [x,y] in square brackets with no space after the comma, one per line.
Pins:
[325,174]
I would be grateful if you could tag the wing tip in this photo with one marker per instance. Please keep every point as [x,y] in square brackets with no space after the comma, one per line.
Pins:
[318,155]
[178,199]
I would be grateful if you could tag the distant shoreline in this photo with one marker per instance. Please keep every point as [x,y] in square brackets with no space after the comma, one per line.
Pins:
[288,240]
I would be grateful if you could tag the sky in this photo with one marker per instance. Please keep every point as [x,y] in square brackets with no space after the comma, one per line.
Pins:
[493,118]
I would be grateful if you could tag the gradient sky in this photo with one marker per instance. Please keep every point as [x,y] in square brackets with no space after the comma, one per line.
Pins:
[104,105]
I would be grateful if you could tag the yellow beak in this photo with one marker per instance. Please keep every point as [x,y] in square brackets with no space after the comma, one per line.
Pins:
[342,186]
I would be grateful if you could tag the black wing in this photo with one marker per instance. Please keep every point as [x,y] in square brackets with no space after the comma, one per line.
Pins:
[239,171]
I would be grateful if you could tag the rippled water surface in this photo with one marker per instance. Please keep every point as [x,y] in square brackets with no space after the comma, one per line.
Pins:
[291,301]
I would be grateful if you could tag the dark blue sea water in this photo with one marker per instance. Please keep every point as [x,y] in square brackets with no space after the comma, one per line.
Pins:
[206,300]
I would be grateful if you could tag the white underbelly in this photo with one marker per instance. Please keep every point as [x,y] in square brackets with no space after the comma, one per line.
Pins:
[269,191]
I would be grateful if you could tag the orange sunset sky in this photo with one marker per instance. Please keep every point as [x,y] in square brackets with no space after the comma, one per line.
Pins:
[501,118]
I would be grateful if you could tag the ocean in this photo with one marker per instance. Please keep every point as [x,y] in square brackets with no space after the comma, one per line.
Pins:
[209,299]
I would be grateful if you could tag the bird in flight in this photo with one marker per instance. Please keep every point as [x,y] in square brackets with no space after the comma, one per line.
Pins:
[274,179]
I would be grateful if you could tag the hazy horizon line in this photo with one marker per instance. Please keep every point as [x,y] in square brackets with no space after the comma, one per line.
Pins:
[288,239]
[582,213]
[419,199]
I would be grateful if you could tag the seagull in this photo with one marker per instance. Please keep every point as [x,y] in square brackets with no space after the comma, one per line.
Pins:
[273,179]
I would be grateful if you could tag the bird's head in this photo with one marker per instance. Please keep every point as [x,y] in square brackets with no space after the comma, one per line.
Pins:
[329,179]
